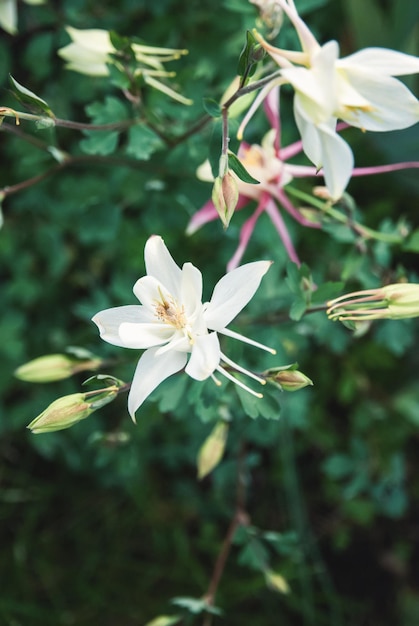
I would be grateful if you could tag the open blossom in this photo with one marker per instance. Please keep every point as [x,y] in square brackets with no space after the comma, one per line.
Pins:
[359,89]
[267,164]
[91,50]
[174,327]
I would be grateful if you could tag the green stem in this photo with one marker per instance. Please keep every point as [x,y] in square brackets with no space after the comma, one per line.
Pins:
[327,209]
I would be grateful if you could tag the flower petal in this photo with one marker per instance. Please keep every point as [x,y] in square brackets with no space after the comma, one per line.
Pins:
[233,292]
[205,357]
[337,161]
[110,320]
[150,372]
[382,61]
[191,289]
[160,264]
[151,292]
[141,336]
[391,105]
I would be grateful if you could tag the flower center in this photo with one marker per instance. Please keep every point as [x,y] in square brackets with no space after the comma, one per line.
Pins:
[169,312]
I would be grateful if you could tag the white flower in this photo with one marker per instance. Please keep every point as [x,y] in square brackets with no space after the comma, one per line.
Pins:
[172,323]
[91,50]
[359,89]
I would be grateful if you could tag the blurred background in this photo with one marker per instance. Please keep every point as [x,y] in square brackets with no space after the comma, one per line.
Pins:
[106,522]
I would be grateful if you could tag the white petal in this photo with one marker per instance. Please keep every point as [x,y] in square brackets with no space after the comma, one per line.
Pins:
[205,357]
[160,264]
[141,336]
[91,38]
[382,61]
[392,106]
[150,292]
[317,86]
[110,320]
[233,292]
[309,134]
[191,289]
[337,161]
[150,372]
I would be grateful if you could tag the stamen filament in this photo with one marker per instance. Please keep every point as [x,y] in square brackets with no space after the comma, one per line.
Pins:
[238,382]
[234,335]
[241,369]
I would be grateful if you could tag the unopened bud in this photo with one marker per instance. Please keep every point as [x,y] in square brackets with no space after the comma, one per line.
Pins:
[212,450]
[61,414]
[69,410]
[52,367]
[276,582]
[287,377]
[225,195]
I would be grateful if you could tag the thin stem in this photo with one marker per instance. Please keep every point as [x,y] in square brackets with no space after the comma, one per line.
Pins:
[239,518]
[70,161]
[327,209]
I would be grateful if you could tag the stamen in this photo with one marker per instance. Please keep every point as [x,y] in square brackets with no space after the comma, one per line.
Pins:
[241,369]
[238,382]
[231,333]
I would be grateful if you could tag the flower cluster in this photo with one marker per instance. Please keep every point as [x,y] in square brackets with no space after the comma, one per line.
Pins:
[359,89]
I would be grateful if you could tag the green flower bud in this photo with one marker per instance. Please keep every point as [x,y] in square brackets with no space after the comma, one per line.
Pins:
[225,195]
[212,450]
[52,367]
[61,414]
[287,377]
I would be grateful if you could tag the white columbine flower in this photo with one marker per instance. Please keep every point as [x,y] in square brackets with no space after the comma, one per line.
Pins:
[174,327]
[359,89]
[91,51]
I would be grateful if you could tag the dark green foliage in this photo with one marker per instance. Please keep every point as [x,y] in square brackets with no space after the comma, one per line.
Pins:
[106,522]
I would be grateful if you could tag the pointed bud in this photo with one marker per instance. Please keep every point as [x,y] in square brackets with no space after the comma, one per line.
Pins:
[212,450]
[69,410]
[164,620]
[61,414]
[225,195]
[276,582]
[52,367]
[287,377]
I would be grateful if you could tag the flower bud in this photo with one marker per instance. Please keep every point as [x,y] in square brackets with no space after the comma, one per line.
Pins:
[61,414]
[69,410]
[212,450]
[276,581]
[287,377]
[52,367]
[225,195]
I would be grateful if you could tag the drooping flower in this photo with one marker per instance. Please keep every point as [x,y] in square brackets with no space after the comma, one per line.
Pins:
[174,327]
[359,89]
[91,50]
[267,164]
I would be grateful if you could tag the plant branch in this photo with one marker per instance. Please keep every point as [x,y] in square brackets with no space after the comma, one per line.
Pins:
[239,518]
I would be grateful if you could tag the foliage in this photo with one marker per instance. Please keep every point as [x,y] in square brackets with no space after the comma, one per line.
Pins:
[306,512]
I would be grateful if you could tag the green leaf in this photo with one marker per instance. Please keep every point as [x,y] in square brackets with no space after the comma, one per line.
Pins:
[412,243]
[143,142]
[212,107]
[254,555]
[26,96]
[238,168]
[195,606]
[327,291]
